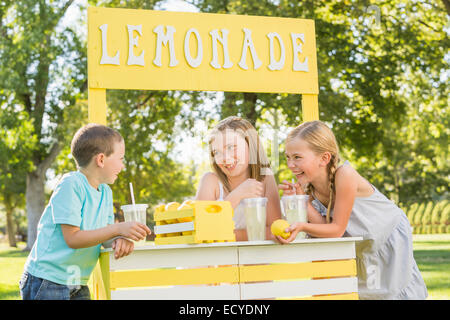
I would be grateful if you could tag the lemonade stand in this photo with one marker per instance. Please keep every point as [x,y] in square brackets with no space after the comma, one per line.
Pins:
[195,255]
[304,269]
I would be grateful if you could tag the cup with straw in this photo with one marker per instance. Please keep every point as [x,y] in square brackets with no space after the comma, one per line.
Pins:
[294,207]
[135,212]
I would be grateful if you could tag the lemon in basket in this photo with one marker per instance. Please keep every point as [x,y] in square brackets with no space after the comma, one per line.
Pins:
[160,208]
[171,206]
[186,205]
[277,228]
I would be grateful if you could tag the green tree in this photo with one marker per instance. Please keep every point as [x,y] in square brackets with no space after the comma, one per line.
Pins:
[382,87]
[15,147]
[445,216]
[419,214]
[411,212]
[43,72]
[146,120]
[426,218]
[437,211]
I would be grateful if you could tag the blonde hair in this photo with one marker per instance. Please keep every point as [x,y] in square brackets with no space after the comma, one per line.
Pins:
[259,165]
[321,139]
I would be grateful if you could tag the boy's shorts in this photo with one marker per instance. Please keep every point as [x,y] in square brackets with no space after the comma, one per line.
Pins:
[34,288]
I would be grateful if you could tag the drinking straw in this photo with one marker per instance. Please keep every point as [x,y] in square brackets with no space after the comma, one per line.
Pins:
[132,199]
[293,187]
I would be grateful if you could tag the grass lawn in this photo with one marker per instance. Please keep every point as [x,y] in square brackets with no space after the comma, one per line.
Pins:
[432,254]
[11,268]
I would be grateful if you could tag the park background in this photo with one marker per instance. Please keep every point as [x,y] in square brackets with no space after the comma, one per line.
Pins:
[383,88]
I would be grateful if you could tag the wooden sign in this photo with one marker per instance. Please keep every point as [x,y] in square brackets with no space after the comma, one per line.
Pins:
[160,50]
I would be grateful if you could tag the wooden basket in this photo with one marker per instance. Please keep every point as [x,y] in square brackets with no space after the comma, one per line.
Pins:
[196,222]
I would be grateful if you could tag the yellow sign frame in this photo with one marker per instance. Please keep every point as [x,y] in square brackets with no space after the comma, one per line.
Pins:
[160,50]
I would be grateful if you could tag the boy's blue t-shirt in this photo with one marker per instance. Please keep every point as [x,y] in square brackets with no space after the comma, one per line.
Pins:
[74,202]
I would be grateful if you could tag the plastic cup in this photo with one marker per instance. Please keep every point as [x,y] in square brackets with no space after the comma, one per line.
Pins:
[255,218]
[139,215]
[294,208]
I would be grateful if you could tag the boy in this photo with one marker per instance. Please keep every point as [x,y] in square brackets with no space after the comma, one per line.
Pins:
[78,219]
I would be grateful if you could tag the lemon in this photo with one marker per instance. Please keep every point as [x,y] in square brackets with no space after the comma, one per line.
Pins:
[172,206]
[188,204]
[160,208]
[278,227]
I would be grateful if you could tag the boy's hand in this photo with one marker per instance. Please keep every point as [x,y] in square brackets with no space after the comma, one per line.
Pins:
[133,230]
[122,247]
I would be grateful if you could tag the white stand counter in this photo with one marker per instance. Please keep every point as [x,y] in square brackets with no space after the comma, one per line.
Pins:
[319,268]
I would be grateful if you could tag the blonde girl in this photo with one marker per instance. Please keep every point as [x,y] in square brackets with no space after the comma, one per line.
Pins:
[343,203]
[240,170]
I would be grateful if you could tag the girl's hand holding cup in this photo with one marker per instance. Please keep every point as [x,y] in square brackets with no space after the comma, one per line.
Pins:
[250,188]
[289,187]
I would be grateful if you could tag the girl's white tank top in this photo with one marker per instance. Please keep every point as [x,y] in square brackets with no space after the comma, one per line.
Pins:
[238,217]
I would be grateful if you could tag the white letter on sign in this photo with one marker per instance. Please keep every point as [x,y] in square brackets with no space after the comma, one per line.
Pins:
[194,63]
[105,58]
[133,42]
[224,41]
[276,65]
[248,43]
[164,39]
[297,47]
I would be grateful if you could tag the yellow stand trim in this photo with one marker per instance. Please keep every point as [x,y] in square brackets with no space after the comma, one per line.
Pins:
[310,107]
[168,277]
[175,239]
[99,281]
[97,106]
[298,270]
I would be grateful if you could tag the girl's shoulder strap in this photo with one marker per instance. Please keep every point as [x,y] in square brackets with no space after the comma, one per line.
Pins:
[345,162]
[220,191]
[341,165]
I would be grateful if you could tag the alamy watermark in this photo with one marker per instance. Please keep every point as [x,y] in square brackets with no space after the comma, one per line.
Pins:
[74,280]
[373,280]
[373,16]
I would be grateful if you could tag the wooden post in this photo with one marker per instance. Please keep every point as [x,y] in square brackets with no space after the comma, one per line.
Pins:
[310,107]
[99,281]
[97,106]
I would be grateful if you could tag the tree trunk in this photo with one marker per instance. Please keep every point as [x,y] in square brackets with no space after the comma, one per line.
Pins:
[35,198]
[10,225]
[35,193]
